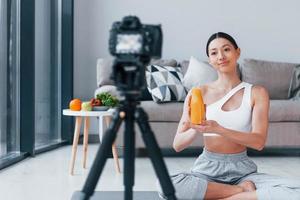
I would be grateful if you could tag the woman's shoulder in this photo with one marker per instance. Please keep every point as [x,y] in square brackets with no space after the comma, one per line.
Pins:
[259,89]
[259,93]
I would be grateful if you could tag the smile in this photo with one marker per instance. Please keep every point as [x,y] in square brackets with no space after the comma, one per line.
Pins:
[224,63]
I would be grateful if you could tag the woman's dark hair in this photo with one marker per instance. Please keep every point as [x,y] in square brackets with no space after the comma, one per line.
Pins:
[221,35]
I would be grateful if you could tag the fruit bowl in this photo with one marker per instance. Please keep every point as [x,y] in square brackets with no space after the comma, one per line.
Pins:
[100,108]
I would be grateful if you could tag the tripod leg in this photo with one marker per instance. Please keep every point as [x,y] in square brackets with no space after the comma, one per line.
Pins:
[114,149]
[101,157]
[129,153]
[155,154]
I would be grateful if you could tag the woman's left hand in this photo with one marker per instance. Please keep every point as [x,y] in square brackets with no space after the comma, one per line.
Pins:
[207,126]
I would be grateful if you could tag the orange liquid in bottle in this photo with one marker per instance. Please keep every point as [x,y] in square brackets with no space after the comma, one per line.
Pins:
[197,107]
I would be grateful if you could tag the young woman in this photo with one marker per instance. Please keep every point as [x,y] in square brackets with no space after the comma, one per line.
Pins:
[236,118]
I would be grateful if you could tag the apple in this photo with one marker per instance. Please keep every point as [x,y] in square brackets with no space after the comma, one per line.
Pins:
[95,102]
[86,106]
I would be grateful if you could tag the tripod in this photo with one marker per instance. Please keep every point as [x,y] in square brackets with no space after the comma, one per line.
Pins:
[129,112]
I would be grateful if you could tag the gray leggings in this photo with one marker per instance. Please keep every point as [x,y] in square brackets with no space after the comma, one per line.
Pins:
[231,169]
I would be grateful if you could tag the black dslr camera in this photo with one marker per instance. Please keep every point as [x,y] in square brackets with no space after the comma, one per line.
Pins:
[132,38]
[133,44]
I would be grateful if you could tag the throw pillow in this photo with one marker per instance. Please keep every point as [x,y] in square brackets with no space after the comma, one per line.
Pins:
[164,83]
[274,76]
[145,95]
[198,73]
[294,90]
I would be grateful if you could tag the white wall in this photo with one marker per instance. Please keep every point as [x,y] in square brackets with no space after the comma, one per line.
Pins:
[265,29]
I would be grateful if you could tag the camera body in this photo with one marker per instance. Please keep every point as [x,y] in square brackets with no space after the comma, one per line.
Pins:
[132,38]
[133,45]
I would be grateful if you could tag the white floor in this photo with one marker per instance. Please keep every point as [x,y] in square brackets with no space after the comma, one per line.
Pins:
[46,176]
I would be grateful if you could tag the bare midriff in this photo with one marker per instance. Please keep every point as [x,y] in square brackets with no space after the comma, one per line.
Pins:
[219,144]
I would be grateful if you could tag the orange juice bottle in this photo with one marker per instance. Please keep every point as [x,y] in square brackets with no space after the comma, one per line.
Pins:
[197,107]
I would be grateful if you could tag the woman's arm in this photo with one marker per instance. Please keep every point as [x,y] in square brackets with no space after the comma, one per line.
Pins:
[185,135]
[260,119]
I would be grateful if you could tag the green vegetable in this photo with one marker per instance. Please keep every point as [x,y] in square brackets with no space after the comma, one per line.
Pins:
[107,99]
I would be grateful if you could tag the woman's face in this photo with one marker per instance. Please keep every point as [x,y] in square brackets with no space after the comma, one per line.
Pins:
[222,55]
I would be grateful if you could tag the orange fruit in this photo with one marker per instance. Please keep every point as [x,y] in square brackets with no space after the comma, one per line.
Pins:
[75,104]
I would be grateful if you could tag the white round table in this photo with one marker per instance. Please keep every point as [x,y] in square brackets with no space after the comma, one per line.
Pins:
[87,114]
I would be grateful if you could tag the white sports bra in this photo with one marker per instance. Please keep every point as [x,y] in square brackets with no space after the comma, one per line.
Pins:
[239,119]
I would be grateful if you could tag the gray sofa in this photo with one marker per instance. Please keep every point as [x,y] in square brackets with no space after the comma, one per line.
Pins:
[284,126]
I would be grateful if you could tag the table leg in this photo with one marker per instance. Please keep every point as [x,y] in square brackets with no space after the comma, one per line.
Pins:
[75,143]
[85,139]
[100,126]
[114,149]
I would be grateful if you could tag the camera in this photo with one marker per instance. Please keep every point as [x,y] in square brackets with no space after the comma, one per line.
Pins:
[133,44]
[132,38]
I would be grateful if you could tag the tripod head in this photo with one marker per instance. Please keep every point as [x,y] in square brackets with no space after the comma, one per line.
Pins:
[129,76]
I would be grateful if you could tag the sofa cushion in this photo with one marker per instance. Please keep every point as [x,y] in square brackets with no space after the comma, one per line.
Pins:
[165,112]
[274,76]
[284,111]
[104,70]
[198,73]
[164,83]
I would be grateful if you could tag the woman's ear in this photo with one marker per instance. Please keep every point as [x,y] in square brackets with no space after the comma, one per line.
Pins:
[239,52]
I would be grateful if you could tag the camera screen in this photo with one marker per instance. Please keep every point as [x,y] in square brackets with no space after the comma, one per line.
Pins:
[129,43]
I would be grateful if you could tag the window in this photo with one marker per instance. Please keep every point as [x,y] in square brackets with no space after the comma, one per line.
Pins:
[47,72]
[35,42]
[9,79]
